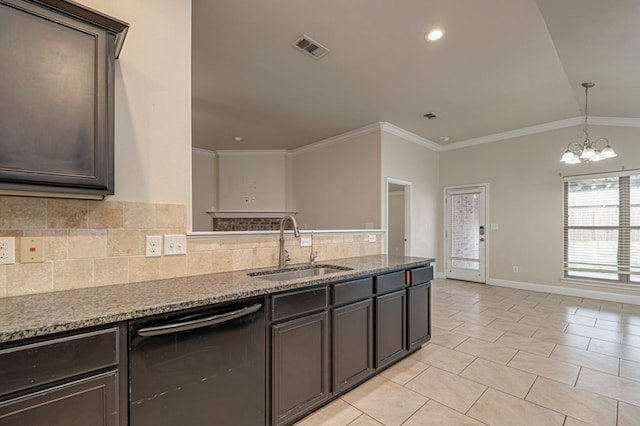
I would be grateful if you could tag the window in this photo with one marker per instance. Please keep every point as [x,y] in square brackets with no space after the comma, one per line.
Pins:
[602,227]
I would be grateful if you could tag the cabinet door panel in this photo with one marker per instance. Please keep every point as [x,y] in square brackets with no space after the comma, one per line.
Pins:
[300,366]
[352,343]
[419,315]
[56,114]
[87,402]
[391,323]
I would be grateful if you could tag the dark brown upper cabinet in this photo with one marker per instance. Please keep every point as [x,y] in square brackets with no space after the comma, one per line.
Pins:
[57,63]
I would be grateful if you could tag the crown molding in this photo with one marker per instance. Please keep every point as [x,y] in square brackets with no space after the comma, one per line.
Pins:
[201,151]
[554,125]
[426,143]
[614,121]
[411,137]
[250,152]
[337,139]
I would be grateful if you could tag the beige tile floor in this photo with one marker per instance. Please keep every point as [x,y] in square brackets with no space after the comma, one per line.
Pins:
[501,356]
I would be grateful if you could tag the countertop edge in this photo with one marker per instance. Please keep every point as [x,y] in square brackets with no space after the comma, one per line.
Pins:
[179,293]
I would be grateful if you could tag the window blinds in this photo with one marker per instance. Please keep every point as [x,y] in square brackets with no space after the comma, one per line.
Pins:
[602,227]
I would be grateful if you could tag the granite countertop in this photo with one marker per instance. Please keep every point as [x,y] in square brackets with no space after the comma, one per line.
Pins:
[46,313]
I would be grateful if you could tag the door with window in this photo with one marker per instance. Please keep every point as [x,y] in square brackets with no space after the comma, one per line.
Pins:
[465,234]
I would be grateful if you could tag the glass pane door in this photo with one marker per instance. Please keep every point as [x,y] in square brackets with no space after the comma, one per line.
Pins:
[466,234]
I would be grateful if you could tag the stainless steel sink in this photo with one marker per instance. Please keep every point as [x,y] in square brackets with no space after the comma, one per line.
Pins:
[298,273]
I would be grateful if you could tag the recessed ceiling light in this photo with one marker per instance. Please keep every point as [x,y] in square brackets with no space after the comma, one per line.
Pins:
[434,35]
[238,138]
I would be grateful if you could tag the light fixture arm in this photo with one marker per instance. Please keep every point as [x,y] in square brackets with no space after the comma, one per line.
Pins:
[587,151]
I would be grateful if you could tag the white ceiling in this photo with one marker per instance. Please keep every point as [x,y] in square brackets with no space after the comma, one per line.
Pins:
[502,65]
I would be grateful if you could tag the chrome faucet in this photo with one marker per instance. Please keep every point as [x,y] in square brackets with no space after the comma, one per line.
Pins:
[296,232]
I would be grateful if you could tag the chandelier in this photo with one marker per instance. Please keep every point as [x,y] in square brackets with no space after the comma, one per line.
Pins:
[587,151]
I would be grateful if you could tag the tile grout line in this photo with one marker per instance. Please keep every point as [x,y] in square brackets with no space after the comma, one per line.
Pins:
[542,406]
[418,409]
[575,382]
[466,413]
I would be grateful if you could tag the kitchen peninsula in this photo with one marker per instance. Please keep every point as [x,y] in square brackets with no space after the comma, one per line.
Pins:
[381,304]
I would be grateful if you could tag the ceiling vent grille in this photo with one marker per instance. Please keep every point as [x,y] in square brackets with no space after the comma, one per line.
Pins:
[431,115]
[311,47]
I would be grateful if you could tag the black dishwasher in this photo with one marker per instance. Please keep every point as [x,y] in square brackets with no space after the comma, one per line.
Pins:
[199,367]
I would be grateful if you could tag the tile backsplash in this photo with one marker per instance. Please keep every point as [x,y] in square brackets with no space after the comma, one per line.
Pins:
[95,243]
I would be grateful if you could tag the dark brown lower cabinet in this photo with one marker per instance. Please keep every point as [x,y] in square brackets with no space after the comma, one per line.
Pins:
[300,366]
[74,379]
[352,338]
[87,402]
[419,315]
[391,322]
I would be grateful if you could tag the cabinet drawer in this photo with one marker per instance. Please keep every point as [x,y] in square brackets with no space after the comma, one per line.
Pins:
[421,275]
[88,401]
[34,364]
[298,303]
[352,291]
[389,282]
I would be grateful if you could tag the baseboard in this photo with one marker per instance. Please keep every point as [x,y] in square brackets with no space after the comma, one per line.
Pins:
[568,291]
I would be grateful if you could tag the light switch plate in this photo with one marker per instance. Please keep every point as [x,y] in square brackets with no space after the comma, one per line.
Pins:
[31,249]
[305,242]
[494,226]
[175,244]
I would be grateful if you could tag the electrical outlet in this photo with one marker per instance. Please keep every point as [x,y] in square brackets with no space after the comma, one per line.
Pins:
[305,242]
[31,249]
[7,250]
[175,244]
[153,246]
[372,238]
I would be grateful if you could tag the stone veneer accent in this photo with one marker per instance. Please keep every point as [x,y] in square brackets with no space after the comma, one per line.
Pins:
[97,243]
[248,224]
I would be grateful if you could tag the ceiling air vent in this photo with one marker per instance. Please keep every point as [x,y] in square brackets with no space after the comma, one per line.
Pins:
[430,115]
[311,47]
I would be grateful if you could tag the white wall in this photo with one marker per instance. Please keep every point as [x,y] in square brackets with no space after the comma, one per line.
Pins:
[204,188]
[395,229]
[260,176]
[152,100]
[526,183]
[337,186]
[407,161]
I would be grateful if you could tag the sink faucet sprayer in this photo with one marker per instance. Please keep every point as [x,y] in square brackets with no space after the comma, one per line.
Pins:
[284,256]
[314,254]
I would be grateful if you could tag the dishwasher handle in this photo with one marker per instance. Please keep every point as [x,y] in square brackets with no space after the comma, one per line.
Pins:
[199,323]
